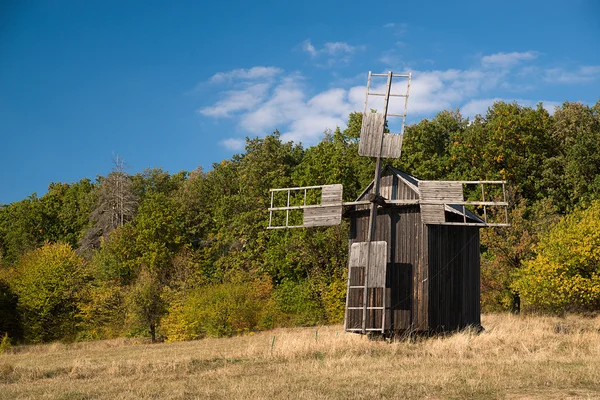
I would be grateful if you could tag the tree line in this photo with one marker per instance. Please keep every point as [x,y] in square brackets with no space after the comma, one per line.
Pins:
[186,255]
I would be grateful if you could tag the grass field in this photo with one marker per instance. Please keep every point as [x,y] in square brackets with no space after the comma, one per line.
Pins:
[515,358]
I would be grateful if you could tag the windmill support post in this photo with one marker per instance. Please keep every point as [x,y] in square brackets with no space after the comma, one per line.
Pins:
[373,214]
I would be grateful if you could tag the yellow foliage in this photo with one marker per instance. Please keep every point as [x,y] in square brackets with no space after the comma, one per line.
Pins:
[565,274]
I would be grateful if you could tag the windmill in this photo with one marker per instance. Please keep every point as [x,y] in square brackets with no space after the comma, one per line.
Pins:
[397,271]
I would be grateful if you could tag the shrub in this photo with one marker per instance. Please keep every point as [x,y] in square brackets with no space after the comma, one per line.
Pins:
[298,304]
[334,300]
[5,344]
[565,274]
[219,310]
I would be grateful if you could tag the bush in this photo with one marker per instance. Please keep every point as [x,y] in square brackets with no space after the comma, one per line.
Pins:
[565,274]
[102,311]
[219,310]
[334,300]
[298,304]
[5,344]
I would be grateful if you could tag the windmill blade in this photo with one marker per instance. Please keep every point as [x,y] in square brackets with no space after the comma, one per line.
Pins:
[438,197]
[327,211]
[374,142]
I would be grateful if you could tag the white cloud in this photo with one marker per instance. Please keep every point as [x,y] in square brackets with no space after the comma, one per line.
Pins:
[258,72]
[582,74]
[309,48]
[233,144]
[237,100]
[270,101]
[479,106]
[396,28]
[331,101]
[330,48]
[285,103]
[507,59]
[332,52]
[309,129]
[333,48]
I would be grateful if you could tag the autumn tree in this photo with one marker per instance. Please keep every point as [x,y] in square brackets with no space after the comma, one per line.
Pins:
[47,284]
[565,273]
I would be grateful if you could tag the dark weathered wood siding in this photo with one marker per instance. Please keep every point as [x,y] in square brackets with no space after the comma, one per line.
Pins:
[453,259]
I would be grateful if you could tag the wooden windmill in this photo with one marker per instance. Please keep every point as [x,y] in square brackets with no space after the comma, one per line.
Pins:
[414,254]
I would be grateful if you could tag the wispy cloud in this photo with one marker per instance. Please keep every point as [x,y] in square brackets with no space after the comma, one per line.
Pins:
[270,101]
[258,72]
[582,74]
[251,85]
[398,28]
[237,100]
[309,48]
[504,60]
[330,53]
[233,144]
[334,48]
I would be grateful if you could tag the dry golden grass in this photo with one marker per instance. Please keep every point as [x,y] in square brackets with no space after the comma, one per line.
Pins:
[515,358]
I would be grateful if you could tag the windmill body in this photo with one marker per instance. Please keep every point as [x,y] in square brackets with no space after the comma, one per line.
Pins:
[414,244]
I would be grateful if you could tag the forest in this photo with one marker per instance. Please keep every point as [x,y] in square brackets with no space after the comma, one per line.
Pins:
[187,255]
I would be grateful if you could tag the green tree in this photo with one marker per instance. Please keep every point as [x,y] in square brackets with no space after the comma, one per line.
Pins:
[511,144]
[47,284]
[145,303]
[572,175]
[426,147]
[21,228]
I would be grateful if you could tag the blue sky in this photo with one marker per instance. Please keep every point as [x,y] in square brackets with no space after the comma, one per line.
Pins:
[180,84]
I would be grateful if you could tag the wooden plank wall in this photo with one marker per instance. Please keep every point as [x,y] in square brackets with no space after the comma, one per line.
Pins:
[392,188]
[454,277]
[377,260]
[402,229]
